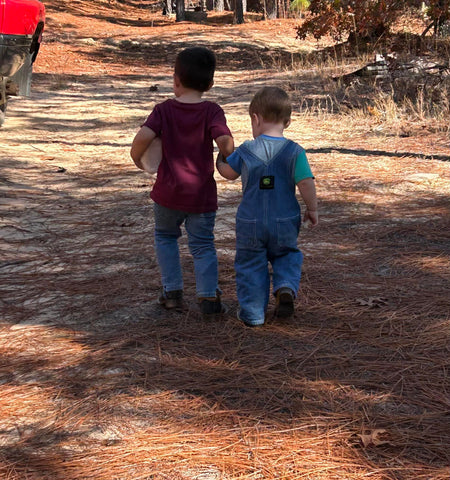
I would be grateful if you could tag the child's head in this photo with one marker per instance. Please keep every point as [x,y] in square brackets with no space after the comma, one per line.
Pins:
[273,105]
[195,68]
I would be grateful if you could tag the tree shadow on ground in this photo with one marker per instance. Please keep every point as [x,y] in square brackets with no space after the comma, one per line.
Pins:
[110,352]
[231,56]
[379,153]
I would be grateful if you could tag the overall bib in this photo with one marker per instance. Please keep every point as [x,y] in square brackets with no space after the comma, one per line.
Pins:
[267,226]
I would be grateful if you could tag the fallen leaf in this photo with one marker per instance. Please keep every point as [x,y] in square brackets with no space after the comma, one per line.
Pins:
[375,438]
[372,302]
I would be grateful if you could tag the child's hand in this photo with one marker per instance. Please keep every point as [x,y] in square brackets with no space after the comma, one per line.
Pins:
[224,169]
[311,219]
[151,158]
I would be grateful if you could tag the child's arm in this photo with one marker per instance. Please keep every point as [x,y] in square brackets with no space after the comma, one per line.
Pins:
[224,169]
[146,150]
[307,189]
[226,148]
[225,144]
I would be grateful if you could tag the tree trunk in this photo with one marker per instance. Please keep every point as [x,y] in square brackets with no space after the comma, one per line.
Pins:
[271,9]
[280,9]
[179,7]
[168,7]
[219,5]
[239,12]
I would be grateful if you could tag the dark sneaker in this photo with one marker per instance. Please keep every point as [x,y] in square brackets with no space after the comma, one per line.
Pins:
[211,306]
[284,306]
[173,299]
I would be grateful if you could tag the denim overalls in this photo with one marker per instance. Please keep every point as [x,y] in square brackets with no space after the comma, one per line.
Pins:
[267,226]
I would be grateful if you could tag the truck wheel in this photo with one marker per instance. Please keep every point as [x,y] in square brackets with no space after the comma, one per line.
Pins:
[2,101]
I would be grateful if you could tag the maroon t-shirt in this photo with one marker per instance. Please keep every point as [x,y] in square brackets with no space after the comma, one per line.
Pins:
[185,179]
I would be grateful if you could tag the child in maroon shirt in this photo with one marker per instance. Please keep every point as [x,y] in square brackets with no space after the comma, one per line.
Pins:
[185,189]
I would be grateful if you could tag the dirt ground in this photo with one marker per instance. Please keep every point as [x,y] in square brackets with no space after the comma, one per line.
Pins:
[98,382]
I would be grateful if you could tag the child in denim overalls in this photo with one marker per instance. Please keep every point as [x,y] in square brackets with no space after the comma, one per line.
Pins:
[268,219]
[185,191]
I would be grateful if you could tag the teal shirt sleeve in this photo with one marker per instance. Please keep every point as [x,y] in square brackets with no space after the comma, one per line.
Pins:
[302,168]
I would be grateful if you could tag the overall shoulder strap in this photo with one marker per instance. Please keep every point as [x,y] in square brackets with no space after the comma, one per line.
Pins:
[247,152]
[289,148]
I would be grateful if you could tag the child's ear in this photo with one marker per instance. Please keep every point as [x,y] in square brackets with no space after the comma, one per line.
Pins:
[255,118]
[210,85]
[176,80]
[287,123]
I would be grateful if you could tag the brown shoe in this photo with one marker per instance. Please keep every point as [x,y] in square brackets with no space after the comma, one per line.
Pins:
[170,300]
[284,306]
[211,306]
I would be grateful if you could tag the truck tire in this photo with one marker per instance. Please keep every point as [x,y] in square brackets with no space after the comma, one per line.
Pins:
[3,100]
[16,71]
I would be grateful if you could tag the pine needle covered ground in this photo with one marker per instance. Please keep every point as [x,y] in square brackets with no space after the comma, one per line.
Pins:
[97,382]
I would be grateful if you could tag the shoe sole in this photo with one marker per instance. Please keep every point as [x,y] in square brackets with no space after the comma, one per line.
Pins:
[170,304]
[285,307]
[212,316]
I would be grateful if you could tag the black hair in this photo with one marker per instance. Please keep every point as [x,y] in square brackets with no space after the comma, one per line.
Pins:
[195,68]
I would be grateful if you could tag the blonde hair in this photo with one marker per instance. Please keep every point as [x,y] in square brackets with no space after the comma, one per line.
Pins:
[273,104]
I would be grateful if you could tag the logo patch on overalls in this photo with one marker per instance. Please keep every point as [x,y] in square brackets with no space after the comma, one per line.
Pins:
[267,182]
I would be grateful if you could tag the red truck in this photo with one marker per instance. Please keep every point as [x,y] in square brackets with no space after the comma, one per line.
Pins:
[21,26]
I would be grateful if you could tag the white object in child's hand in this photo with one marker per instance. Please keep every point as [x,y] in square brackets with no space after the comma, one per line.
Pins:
[307,223]
[151,158]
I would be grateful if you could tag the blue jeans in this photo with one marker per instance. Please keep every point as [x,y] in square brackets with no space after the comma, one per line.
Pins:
[200,231]
[256,247]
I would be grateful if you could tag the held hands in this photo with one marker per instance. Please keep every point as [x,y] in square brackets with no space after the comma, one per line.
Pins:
[220,159]
[224,168]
